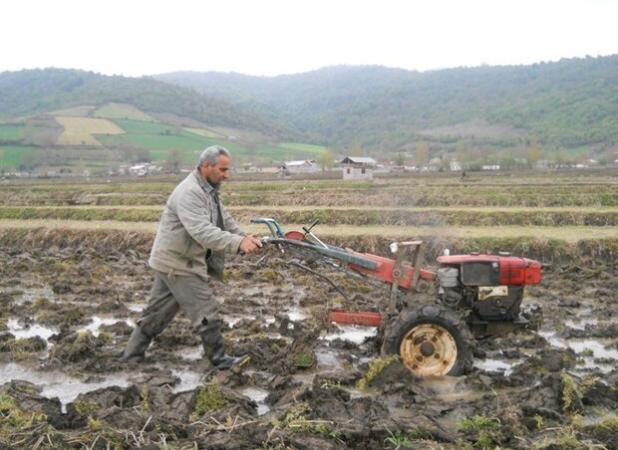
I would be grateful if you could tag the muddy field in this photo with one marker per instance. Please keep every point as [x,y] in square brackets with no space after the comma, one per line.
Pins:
[69,300]
[73,280]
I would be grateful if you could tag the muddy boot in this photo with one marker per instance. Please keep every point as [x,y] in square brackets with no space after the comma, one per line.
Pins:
[214,347]
[136,347]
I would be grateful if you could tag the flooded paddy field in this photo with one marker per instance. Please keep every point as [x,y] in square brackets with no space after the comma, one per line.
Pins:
[69,298]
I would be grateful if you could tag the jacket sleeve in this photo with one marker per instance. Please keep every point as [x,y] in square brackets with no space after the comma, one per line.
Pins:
[230,224]
[192,213]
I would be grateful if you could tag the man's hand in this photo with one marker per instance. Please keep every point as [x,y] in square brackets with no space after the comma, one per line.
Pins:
[249,244]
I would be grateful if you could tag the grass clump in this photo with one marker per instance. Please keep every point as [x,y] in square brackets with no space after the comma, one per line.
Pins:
[398,440]
[565,439]
[209,398]
[296,418]
[85,407]
[485,431]
[21,349]
[571,396]
[375,368]
[304,360]
[421,434]
[479,423]
[81,346]
[94,425]
[14,419]
[271,275]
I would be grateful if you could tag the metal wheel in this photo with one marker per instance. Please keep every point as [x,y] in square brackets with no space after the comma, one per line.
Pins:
[431,341]
[428,349]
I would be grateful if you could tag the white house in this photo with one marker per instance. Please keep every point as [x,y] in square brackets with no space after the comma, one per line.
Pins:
[455,166]
[358,167]
[490,167]
[300,166]
[144,169]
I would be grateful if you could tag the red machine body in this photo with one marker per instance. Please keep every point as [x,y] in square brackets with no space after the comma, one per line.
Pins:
[513,270]
[432,335]
[385,271]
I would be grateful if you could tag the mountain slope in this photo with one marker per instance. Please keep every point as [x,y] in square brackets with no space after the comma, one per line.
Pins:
[30,92]
[568,103]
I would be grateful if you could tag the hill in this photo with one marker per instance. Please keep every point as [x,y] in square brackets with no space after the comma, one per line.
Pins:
[570,103]
[68,120]
[32,92]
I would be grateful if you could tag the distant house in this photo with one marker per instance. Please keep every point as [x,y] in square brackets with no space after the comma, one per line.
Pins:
[144,169]
[490,167]
[301,166]
[455,166]
[358,167]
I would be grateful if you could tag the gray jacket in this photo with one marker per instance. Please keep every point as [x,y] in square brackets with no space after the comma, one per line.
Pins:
[188,231]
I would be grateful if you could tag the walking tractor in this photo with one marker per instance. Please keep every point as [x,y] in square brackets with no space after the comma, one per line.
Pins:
[426,317]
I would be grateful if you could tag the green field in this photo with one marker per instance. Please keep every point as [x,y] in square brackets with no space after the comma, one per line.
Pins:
[299,147]
[11,132]
[120,111]
[160,139]
[123,129]
[11,156]
[76,111]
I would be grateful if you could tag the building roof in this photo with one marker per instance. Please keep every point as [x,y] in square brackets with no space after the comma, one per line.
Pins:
[301,162]
[358,160]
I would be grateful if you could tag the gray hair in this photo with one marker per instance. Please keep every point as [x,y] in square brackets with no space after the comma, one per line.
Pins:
[211,155]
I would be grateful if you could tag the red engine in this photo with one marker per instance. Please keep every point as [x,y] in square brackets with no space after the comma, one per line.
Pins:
[492,286]
[499,270]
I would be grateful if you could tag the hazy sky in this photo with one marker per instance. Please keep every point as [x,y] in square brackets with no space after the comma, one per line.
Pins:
[271,37]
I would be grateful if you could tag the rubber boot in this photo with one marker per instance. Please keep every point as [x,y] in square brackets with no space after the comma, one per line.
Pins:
[214,346]
[137,345]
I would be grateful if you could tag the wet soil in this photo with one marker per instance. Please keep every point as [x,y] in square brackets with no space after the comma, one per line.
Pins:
[68,306]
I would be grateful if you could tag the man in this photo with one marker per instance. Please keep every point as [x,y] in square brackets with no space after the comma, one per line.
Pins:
[193,236]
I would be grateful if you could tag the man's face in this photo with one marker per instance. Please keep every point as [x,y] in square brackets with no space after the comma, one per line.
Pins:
[218,173]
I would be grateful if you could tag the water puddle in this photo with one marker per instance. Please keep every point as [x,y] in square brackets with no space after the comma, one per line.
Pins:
[495,365]
[327,358]
[258,396]
[33,294]
[98,321]
[189,380]
[24,332]
[352,333]
[232,320]
[297,314]
[192,353]
[136,307]
[592,349]
[580,324]
[57,384]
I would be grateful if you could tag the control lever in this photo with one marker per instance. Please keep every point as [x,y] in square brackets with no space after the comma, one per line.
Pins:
[313,236]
